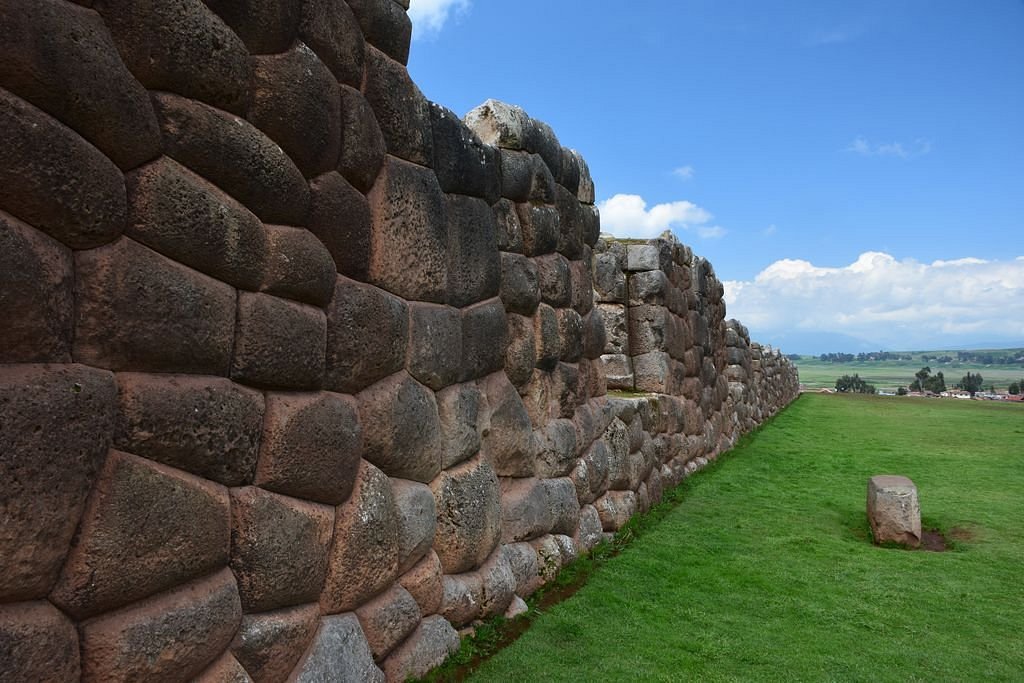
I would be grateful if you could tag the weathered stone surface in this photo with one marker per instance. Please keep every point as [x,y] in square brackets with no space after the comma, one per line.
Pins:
[423,582]
[37,643]
[367,336]
[400,108]
[418,521]
[173,635]
[642,257]
[401,428]
[616,437]
[331,29]
[269,644]
[340,218]
[549,557]
[594,335]
[648,329]
[548,342]
[339,653]
[463,164]
[510,232]
[225,669]
[236,156]
[570,222]
[468,515]
[506,439]
[279,548]
[266,26]
[648,287]
[54,435]
[280,343]
[484,335]
[499,584]
[388,619]
[120,556]
[435,348]
[460,409]
[61,58]
[385,25]
[565,509]
[616,328]
[474,267]
[365,553]
[180,215]
[181,46]
[582,283]
[894,511]
[362,148]
[570,329]
[463,597]
[525,512]
[138,310]
[522,558]
[500,124]
[429,645]
[520,355]
[556,449]
[653,372]
[516,608]
[554,279]
[205,425]
[615,508]
[409,217]
[310,447]
[299,266]
[589,534]
[296,102]
[54,180]
[520,284]
[36,295]
[539,225]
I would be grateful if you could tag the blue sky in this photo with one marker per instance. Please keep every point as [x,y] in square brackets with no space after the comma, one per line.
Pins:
[853,170]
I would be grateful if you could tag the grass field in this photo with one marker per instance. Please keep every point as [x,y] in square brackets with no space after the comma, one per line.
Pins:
[887,375]
[765,571]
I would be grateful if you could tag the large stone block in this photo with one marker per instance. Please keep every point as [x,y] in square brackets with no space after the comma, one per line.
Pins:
[236,156]
[499,584]
[120,555]
[468,515]
[299,266]
[409,218]
[522,558]
[416,506]
[582,283]
[520,354]
[181,46]
[541,138]
[296,102]
[570,329]
[37,643]
[385,25]
[388,619]
[340,218]
[648,287]
[36,294]
[435,348]
[463,164]
[331,29]
[428,646]
[311,446]
[525,513]
[266,26]
[594,335]
[615,508]
[500,124]
[653,372]
[424,583]
[54,435]
[174,635]
[648,329]
[225,669]
[554,280]
[525,177]
[208,426]
[520,284]
[484,336]
[402,111]
[571,222]
[616,325]
[474,267]
[590,531]
[539,224]
[556,449]
[61,58]
[365,553]
[510,231]
[362,142]
[462,410]
[548,341]
[401,428]
[269,644]
[339,653]
[367,336]
[506,428]
[54,180]
[138,310]
[279,548]
[279,343]
[180,215]
[894,511]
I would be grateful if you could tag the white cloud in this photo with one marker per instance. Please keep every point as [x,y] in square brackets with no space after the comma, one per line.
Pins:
[627,215]
[902,304]
[917,148]
[429,16]
[769,231]
[683,172]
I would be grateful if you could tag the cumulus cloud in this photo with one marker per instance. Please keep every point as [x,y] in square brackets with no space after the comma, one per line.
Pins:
[429,16]
[627,215]
[902,304]
[683,172]
[917,148]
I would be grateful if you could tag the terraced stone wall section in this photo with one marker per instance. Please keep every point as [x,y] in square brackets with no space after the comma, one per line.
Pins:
[300,372]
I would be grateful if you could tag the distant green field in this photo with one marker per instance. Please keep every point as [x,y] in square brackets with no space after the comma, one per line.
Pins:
[887,375]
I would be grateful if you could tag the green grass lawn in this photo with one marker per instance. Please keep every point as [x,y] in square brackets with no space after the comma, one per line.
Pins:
[765,571]
[886,375]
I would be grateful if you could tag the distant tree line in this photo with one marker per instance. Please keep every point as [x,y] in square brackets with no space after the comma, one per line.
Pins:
[925,381]
[854,385]
[862,357]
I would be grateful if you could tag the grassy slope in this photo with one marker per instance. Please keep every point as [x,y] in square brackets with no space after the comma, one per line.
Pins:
[765,571]
[887,375]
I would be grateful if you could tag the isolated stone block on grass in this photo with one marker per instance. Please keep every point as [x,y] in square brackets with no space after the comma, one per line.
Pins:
[894,511]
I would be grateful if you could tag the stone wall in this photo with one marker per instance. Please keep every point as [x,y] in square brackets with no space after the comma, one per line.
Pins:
[300,372]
